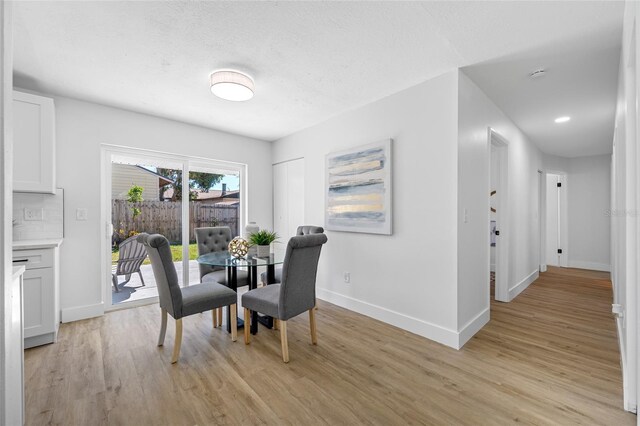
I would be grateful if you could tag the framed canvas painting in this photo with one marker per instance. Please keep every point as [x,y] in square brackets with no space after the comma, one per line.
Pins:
[358,189]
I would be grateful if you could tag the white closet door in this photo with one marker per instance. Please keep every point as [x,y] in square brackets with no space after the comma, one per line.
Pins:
[295,194]
[288,198]
[280,217]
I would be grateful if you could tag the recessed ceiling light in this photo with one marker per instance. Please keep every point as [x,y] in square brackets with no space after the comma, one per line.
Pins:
[232,85]
[562,119]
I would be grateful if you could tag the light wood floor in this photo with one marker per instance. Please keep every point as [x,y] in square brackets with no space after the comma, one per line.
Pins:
[549,357]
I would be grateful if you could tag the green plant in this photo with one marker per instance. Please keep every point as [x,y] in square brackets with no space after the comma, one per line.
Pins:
[135,196]
[262,238]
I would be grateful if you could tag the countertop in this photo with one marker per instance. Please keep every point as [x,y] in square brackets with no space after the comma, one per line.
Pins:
[36,244]
[17,271]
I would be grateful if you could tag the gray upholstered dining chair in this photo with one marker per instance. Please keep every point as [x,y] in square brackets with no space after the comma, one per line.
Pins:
[295,294]
[213,239]
[302,230]
[181,302]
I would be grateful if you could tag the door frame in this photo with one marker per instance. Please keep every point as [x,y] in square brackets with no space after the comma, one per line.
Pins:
[107,154]
[497,142]
[542,221]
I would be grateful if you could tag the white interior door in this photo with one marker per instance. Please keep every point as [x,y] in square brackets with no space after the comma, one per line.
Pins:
[556,232]
[553,221]
[288,198]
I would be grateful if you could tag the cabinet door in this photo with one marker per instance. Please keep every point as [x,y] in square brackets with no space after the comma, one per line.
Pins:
[39,296]
[33,144]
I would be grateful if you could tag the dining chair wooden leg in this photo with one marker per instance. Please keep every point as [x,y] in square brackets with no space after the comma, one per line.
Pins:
[312,326]
[219,310]
[214,317]
[275,324]
[247,327]
[178,342]
[316,307]
[283,341]
[163,327]
[234,322]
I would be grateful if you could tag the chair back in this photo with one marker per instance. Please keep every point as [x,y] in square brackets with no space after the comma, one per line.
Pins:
[131,254]
[308,229]
[164,272]
[298,286]
[215,238]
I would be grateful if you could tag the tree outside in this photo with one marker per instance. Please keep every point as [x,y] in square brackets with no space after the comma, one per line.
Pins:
[198,181]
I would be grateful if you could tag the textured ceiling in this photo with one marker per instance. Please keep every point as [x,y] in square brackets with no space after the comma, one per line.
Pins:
[310,60]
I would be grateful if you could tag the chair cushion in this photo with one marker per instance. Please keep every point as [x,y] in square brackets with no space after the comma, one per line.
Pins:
[264,300]
[198,298]
[221,277]
[278,275]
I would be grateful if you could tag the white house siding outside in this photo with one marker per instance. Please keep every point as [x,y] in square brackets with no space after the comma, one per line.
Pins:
[124,176]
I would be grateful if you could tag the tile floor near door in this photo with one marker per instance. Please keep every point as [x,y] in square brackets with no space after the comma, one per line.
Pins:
[549,357]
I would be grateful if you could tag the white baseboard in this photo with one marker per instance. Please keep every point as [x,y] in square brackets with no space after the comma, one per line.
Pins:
[420,327]
[594,266]
[82,312]
[472,327]
[522,285]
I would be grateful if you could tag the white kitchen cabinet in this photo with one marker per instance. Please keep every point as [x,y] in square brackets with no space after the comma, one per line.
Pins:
[34,160]
[40,293]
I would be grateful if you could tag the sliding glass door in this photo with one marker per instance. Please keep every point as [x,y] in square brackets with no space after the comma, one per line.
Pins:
[164,194]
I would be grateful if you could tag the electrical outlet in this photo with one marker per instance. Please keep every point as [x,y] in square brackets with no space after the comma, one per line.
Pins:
[32,214]
[347,277]
[81,214]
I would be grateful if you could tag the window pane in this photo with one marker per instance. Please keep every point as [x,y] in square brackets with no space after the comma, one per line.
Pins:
[145,197]
[214,201]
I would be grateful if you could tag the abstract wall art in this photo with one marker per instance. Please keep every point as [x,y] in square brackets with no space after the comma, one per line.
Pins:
[358,189]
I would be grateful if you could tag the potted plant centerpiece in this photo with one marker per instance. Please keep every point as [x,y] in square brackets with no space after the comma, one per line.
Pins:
[263,239]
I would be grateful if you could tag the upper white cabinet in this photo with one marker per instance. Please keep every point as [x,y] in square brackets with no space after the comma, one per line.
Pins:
[34,156]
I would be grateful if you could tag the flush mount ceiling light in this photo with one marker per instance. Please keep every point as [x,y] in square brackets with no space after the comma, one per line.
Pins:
[232,85]
[562,119]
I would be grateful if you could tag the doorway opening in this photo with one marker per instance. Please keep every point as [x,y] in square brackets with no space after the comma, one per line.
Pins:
[498,217]
[151,192]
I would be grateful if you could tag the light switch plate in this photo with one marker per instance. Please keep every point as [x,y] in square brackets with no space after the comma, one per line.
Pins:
[33,214]
[82,214]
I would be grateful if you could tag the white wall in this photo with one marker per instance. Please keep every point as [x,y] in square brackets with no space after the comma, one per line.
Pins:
[588,209]
[589,202]
[10,364]
[81,128]
[477,112]
[625,196]
[409,278]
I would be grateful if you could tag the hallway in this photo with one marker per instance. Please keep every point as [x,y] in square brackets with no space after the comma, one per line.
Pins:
[549,357]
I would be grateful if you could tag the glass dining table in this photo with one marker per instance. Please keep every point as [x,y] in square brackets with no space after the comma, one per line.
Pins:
[224,259]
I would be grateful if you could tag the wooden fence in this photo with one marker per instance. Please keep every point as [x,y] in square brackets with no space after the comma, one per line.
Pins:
[165,217]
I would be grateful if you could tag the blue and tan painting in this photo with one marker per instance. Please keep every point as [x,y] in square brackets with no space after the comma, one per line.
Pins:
[357,189]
